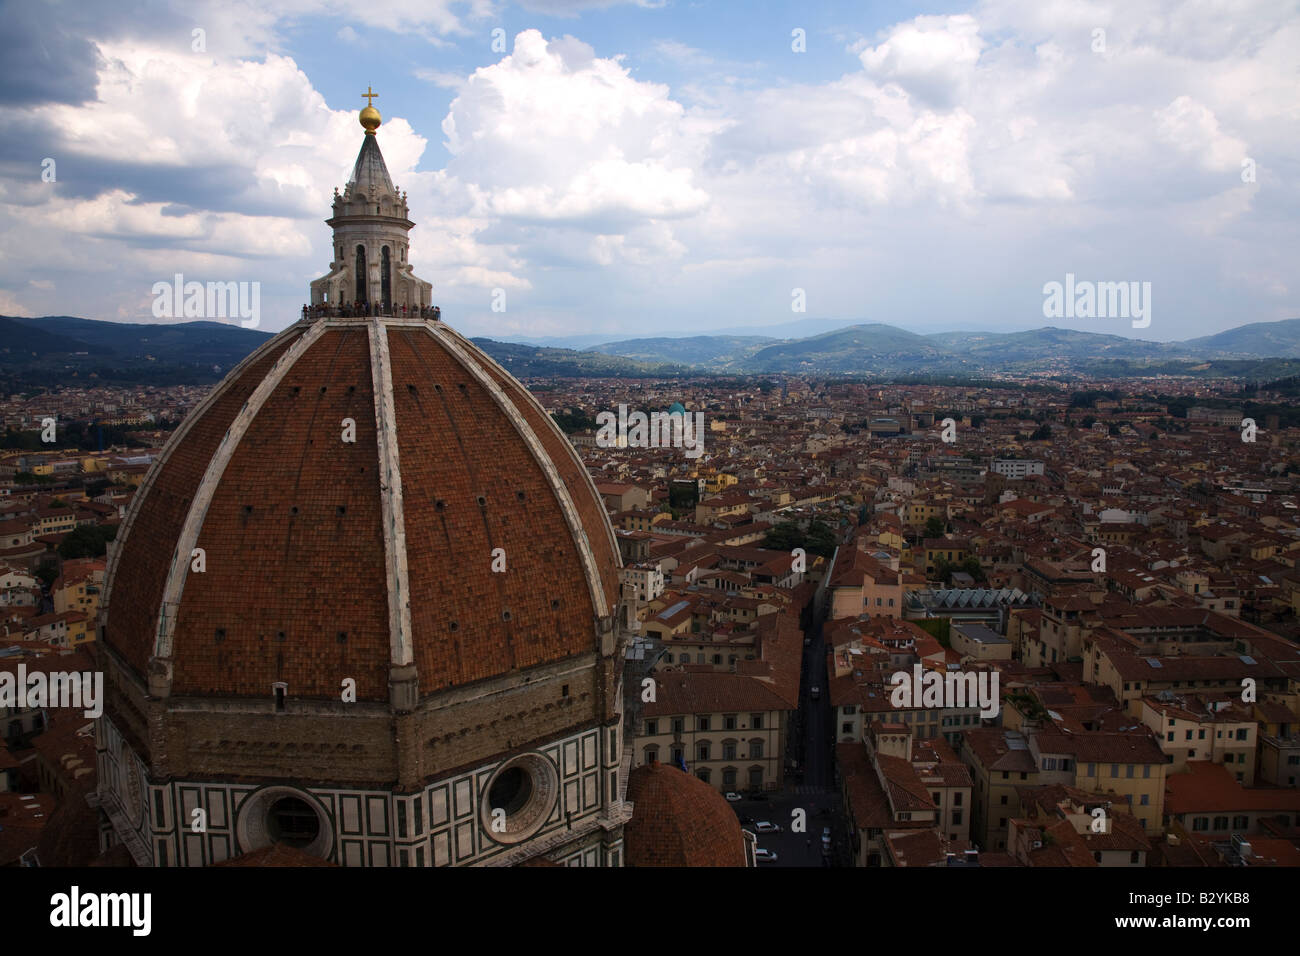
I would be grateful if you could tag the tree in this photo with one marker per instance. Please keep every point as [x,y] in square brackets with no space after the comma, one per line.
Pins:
[682,494]
[87,541]
[934,527]
[786,536]
[97,487]
[46,572]
[943,569]
[1041,433]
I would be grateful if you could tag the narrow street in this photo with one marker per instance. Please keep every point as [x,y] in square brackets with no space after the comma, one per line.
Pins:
[815,792]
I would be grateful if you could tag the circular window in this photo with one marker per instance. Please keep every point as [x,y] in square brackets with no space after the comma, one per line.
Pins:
[284,815]
[519,798]
[293,822]
[511,790]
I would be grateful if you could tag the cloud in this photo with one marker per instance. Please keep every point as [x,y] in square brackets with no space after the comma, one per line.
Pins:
[553,133]
[955,165]
[9,305]
[931,58]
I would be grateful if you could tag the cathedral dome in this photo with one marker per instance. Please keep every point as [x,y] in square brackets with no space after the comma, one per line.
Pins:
[678,820]
[360,495]
[366,604]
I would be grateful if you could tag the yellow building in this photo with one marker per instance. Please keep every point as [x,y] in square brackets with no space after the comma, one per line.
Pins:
[1129,764]
[1194,727]
[999,762]
[729,730]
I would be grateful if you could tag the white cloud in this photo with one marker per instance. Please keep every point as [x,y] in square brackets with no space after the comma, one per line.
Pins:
[967,160]
[932,58]
[554,133]
[9,305]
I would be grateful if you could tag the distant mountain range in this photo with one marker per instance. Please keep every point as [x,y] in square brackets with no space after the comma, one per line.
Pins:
[1257,351]
[37,352]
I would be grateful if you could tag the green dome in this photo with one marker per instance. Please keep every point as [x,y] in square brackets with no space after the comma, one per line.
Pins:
[676,408]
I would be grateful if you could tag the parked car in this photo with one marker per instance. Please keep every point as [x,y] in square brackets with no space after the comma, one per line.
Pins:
[764,826]
[746,819]
[826,838]
[807,642]
[816,692]
[764,856]
[733,797]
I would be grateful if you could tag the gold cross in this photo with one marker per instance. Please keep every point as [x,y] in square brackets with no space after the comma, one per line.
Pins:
[369,95]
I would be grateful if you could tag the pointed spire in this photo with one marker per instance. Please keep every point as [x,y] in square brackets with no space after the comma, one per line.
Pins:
[370,174]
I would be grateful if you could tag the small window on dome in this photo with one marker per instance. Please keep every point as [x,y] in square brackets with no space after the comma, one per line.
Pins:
[341,510]
[279,689]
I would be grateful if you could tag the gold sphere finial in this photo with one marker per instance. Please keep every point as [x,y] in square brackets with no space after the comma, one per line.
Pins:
[370,118]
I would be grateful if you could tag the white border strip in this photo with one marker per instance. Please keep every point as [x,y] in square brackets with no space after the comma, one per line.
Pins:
[568,445]
[189,535]
[594,580]
[401,647]
[178,436]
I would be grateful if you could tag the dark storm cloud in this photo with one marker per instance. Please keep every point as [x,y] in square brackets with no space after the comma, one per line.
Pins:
[214,188]
[47,48]
[44,56]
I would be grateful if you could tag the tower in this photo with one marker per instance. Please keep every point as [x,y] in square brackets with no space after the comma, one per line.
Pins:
[365,605]
[371,246]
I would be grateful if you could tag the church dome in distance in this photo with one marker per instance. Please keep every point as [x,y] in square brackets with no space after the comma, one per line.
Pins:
[678,820]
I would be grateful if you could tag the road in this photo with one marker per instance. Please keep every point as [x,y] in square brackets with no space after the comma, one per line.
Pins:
[815,794]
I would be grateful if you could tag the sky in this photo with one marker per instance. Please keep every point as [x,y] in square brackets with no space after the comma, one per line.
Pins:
[663,168]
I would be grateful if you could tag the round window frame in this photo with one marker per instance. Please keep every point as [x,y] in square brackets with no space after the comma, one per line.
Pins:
[252,829]
[525,823]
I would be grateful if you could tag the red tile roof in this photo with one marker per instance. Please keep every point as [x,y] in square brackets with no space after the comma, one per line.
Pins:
[678,820]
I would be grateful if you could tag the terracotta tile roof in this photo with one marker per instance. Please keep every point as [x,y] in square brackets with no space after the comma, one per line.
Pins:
[678,820]
[277,854]
[868,805]
[299,512]
[1208,787]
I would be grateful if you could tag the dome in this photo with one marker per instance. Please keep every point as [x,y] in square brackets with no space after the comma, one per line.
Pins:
[678,820]
[676,408]
[360,495]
